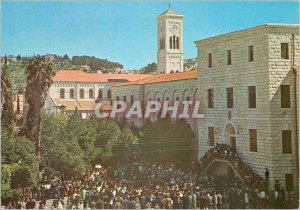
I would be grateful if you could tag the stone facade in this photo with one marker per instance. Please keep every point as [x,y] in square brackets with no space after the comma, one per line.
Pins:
[266,72]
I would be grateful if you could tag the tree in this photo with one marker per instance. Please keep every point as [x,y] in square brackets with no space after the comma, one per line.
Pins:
[166,140]
[66,57]
[39,75]
[7,117]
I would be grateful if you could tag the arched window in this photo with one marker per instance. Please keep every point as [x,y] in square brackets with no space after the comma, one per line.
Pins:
[91,93]
[171,42]
[177,42]
[163,43]
[174,42]
[72,93]
[62,93]
[81,93]
[108,93]
[100,93]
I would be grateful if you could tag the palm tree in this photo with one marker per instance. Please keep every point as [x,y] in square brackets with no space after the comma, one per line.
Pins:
[39,75]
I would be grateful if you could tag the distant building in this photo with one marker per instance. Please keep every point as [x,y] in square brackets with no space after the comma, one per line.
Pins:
[75,89]
[50,57]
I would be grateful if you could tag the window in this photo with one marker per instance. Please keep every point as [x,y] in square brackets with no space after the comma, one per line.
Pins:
[250,54]
[285,96]
[284,51]
[229,93]
[163,43]
[100,93]
[171,42]
[251,96]
[177,99]
[211,136]
[117,98]
[228,57]
[188,98]
[209,60]
[167,99]
[174,42]
[287,142]
[81,93]
[132,99]
[289,182]
[91,93]
[108,93]
[62,93]
[253,140]
[177,42]
[210,98]
[124,98]
[72,93]
[158,99]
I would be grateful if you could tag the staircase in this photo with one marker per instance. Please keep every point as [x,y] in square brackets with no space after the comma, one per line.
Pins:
[241,170]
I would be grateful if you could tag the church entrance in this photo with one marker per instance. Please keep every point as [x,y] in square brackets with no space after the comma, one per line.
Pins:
[230,135]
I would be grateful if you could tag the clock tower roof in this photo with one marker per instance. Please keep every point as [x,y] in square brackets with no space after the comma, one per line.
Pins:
[171,13]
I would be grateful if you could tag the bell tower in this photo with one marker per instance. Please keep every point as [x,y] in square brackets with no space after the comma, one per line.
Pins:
[170,42]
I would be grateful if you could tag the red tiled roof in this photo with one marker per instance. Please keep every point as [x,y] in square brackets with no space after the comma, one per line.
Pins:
[159,78]
[81,76]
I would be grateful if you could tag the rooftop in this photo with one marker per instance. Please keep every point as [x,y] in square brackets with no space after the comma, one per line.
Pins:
[81,76]
[267,25]
[170,12]
[159,78]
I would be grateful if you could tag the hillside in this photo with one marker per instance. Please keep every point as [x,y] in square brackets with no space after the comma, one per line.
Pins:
[17,66]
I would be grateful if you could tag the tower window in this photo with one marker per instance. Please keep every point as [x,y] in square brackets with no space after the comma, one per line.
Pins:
[284,51]
[174,42]
[171,42]
[285,96]
[177,42]
[124,98]
[163,42]
[250,54]
[160,43]
[209,60]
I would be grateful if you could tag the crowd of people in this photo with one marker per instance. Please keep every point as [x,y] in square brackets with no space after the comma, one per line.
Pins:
[150,185]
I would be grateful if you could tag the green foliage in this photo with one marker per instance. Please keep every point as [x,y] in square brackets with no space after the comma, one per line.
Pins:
[95,63]
[7,117]
[19,165]
[150,68]
[166,140]
[23,177]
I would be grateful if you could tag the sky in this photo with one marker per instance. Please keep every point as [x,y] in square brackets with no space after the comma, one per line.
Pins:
[125,32]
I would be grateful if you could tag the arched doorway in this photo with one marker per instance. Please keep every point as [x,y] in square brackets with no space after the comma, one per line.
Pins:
[230,135]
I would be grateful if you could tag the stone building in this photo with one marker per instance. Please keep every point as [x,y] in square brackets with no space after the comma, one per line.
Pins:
[248,84]
[75,89]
